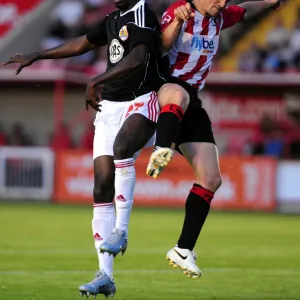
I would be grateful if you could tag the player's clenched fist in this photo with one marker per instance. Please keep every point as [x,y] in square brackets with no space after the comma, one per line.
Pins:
[184,12]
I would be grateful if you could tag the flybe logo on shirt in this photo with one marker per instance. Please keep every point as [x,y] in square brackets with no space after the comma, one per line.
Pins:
[203,45]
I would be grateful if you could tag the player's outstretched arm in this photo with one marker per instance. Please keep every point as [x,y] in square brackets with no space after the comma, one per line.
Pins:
[135,60]
[73,47]
[254,8]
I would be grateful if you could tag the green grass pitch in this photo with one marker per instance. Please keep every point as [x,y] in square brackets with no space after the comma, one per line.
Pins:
[47,251]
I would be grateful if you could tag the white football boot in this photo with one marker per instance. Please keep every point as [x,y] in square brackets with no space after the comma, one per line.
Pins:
[159,159]
[184,259]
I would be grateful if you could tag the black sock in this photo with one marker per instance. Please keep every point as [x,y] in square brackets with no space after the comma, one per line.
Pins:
[196,210]
[168,125]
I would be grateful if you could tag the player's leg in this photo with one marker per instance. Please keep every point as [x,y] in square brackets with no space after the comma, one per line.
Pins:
[134,134]
[173,100]
[102,224]
[104,218]
[132,137]
[203,157]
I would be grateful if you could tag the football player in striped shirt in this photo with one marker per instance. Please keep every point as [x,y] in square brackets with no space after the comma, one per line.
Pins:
[190,34]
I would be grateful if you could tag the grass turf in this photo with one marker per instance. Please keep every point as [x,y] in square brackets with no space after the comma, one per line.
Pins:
[46,252]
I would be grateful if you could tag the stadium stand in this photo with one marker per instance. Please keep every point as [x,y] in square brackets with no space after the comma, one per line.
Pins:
[25,23]
[256,51]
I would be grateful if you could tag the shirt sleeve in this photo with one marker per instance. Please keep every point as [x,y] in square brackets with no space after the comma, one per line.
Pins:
[147,36]
[97,35]
[169,16]
[232,15]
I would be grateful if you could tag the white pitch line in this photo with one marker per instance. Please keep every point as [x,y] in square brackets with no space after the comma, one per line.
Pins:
[75,252]
[154,271]
[91,251]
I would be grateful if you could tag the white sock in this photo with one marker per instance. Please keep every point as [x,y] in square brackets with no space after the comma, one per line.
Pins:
[103,224]
[124,189]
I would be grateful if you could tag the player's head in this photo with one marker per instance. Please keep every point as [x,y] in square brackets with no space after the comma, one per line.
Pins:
[213,7]
[125,4]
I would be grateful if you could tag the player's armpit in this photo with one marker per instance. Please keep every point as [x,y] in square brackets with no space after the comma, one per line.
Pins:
[232,15]
[98,35]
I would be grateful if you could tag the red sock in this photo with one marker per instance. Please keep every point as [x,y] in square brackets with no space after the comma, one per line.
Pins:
[168,125]
[197,207]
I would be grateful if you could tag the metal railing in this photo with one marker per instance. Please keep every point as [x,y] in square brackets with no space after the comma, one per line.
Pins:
[26,173]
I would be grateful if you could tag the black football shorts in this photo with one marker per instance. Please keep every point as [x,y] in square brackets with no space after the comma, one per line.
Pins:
[195,125]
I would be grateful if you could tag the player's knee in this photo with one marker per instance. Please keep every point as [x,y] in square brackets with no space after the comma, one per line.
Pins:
[104,189]
[181,98]
[123,150]
[173,94]
[211,183]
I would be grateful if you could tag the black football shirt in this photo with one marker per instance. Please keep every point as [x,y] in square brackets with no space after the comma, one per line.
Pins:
[121,32]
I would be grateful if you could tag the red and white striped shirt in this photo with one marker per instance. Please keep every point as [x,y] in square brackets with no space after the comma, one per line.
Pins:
[197,43]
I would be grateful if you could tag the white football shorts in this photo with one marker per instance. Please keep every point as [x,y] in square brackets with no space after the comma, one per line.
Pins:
[112,116]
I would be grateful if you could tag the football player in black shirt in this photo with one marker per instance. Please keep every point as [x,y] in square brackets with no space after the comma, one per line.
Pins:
[125,121]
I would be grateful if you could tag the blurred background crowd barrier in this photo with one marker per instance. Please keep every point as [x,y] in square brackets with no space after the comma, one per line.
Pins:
[252,96]
[250,183]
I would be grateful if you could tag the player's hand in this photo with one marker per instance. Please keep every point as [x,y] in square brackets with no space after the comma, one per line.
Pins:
[184,12]
[91,97]
[22,59]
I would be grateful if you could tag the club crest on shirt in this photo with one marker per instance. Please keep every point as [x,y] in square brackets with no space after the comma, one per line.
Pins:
[166,19]
[123,34]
